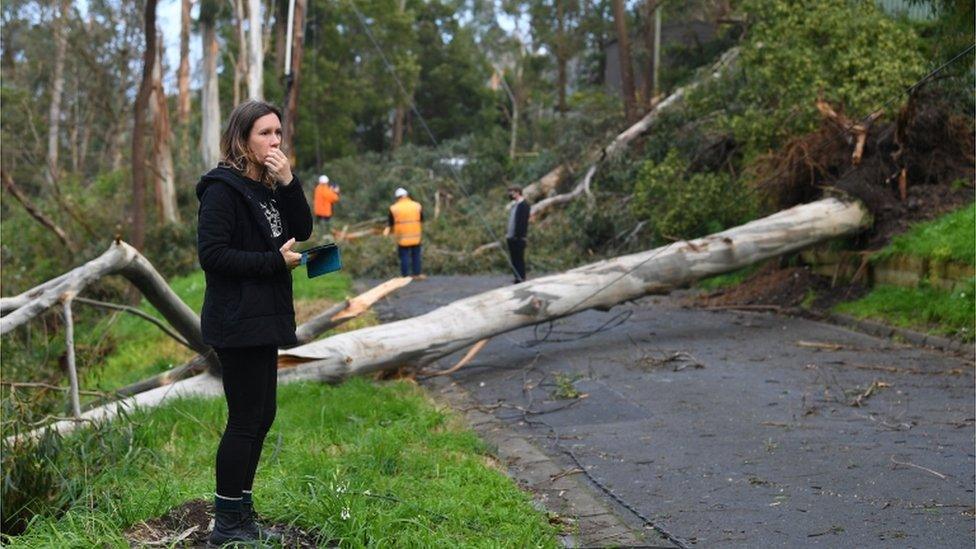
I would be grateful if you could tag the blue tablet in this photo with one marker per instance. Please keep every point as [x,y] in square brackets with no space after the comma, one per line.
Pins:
[322,259]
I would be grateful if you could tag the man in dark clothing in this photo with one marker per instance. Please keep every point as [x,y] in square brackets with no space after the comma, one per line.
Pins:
[517,231]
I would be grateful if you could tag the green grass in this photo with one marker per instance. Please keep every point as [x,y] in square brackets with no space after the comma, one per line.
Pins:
[404,471]
[726,280]
[951,237]
[925,308]
[142,350]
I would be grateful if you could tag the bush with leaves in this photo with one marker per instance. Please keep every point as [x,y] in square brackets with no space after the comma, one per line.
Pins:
[679,203]
[851,53]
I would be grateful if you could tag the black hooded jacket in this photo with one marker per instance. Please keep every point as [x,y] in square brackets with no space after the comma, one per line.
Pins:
[242,226]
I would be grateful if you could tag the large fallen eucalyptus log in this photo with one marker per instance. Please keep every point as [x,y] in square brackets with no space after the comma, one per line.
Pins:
[625,138]
[420,340]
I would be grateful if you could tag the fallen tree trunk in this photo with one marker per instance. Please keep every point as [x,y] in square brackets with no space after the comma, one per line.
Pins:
[624,139]
[334,316]
[420,340]
[121,259]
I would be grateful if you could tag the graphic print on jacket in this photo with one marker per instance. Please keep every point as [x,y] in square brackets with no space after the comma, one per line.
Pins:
[274,218]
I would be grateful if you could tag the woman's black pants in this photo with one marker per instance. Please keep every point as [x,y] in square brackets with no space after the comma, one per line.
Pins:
[250,376]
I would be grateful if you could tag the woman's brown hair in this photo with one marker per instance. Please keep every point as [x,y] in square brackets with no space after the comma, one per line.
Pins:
[233,143]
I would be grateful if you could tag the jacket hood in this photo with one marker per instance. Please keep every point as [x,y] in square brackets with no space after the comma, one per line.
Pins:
[226,175]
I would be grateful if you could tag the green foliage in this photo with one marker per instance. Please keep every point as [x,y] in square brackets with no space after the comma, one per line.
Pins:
[951,237]
[728,280]
[680,204]
[849,52]
[400,469]
[924,308]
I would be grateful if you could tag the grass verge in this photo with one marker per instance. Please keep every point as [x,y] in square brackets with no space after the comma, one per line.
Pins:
[926,309]
[363,464]
[948,238]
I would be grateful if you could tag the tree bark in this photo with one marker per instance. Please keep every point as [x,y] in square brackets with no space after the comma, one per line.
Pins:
[418,341]
[280,28]
[241,67]
[183,74]
[57,89]
[121,259]
[210,100]
[38,215]
[138,207]
[626,62]
[650,34]
[547,184]
[164,175]
[255,52]
[291,108]
[561,55]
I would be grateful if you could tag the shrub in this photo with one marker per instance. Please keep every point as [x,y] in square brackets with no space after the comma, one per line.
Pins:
[682,204]
[850,52]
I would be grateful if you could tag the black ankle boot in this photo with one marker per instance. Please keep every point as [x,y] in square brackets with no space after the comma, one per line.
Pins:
[252,525]
[230,525]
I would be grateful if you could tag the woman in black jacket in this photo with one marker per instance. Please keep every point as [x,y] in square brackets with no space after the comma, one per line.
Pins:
[252,210]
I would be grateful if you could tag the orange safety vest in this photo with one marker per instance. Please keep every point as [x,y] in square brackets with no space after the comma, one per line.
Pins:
[325,197]
[406,222]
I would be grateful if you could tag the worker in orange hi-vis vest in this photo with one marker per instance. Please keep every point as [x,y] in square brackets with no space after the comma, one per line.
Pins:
[406,218]
[326,195]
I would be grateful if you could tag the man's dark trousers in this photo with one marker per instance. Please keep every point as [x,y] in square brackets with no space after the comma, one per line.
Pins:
[409,260]
[516,251]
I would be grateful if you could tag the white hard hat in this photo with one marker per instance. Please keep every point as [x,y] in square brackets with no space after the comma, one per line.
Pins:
[323,178]
[400,192]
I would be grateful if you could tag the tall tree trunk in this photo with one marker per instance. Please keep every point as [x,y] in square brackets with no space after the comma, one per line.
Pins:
[241,66]
[280,28]
[400,112]
[138,207]
[255,52]
[183,75]
[73,132]
[561,54]
[210,100]
[163,173]
[399,116]
[626,63]
[57,89]
[291,103]
[649,17]
[183,82]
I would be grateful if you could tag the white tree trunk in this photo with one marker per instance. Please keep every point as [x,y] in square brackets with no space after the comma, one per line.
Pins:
[183,74]
[622,141]
[210,100]
[57,89]
[240,64]
[121,259]
[164,175]
[420,340]
[255,52]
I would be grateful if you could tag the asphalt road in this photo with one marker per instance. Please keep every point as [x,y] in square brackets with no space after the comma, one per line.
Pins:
[737,429]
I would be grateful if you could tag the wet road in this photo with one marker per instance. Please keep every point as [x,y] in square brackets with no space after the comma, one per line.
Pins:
[738,429]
